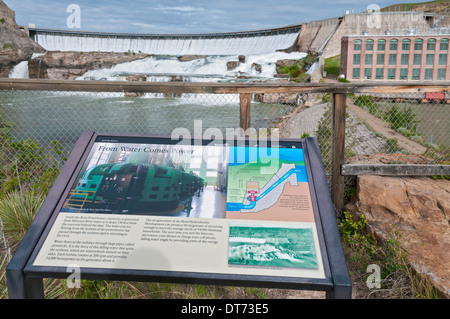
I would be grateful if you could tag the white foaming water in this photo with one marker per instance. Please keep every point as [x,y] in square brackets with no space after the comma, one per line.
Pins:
[20,71]
[209,69]
[176,46]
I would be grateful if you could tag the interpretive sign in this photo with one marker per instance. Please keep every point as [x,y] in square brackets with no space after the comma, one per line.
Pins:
[219,211]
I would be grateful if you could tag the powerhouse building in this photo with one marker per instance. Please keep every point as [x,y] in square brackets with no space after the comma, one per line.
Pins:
[395,57]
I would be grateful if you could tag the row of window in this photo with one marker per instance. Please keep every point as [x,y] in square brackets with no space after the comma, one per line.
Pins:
[404,59]
[405,44]
[391,73]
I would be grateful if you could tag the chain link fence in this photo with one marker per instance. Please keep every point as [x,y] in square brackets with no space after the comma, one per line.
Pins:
[39,128]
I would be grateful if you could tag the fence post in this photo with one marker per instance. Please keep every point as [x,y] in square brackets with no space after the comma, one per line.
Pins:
[245,110]
[338,155]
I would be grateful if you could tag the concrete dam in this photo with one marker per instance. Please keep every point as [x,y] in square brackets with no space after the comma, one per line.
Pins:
[322,36]
[245,42]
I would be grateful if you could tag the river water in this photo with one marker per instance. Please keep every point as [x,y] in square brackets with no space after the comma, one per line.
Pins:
[63,116]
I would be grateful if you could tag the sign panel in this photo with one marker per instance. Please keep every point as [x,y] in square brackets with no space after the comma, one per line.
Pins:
[158,205]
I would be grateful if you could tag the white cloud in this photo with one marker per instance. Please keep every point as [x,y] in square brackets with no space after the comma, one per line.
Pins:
[179,9]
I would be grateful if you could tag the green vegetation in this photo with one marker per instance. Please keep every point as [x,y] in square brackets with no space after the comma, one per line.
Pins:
[296,69]
[9,46]
[17,211]
[410,6]
[26,163]
[397,278]
[332,65]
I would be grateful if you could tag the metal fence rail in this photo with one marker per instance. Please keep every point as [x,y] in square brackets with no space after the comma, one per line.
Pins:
[355,123]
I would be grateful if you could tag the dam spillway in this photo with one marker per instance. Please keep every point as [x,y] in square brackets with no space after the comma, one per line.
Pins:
[245,42]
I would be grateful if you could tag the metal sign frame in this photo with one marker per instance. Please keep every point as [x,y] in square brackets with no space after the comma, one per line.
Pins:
[25,280]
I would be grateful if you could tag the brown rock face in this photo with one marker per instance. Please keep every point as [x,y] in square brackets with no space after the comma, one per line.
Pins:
[15,45]
[69,65]
[420,207]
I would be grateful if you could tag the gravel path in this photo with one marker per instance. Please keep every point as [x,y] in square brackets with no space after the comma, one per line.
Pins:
[362,139]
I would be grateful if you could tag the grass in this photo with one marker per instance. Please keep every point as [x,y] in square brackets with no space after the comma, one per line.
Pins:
[398,280]
[409,6]
[332,65]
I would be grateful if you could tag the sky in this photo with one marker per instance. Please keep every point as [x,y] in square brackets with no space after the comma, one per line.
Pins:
[181,16]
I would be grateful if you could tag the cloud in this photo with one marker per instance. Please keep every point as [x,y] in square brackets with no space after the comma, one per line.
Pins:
[179,9]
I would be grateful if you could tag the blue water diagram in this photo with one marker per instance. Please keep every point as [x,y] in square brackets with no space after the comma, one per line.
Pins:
[255,195]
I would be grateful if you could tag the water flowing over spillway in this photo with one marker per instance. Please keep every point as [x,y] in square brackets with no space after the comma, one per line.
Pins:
[211,53]
[205,69]
[208,44]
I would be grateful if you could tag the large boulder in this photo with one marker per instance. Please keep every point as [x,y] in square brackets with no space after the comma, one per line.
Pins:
[15,45]
[420,208]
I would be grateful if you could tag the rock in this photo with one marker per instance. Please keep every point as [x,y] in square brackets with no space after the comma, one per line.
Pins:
[241,58]
[15,45]
[257,67]
[136,78]
[420,208]
[70,65]
[278,98]
[231,65]
[187,58]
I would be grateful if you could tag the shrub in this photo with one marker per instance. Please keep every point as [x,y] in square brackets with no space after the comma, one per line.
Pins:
[17,211]
[402,118]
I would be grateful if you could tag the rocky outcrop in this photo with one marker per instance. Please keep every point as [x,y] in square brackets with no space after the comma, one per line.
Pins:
[420,209]
[15,45]
[69,65]
[187,58]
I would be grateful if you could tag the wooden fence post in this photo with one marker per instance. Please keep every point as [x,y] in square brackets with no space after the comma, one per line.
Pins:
[245,110]
[338,154]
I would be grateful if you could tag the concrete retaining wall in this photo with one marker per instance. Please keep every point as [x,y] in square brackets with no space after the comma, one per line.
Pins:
[325,35]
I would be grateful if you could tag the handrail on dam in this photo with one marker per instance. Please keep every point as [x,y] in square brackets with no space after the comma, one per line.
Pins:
[237,34]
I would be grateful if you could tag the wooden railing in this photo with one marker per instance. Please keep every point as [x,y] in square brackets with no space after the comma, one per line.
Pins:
[339,92]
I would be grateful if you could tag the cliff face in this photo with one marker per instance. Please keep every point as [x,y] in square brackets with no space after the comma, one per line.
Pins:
[15,45]
[69,65]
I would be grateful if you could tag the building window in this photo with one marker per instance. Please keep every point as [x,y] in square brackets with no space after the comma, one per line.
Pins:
[380,58]
[369,45]
[393,45]
[404,59]
[355,74]
[368,59]
[391,73]
[428,74]
[403,73]
[441,74]
[405,44]
[417,59]
[379,73]
[429,59]
[444,44]
[431,44]
[356,59]
[367,73]
[357,45]
[415,74]
[392,59]
[381,45]
[443,59]
[418,44]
